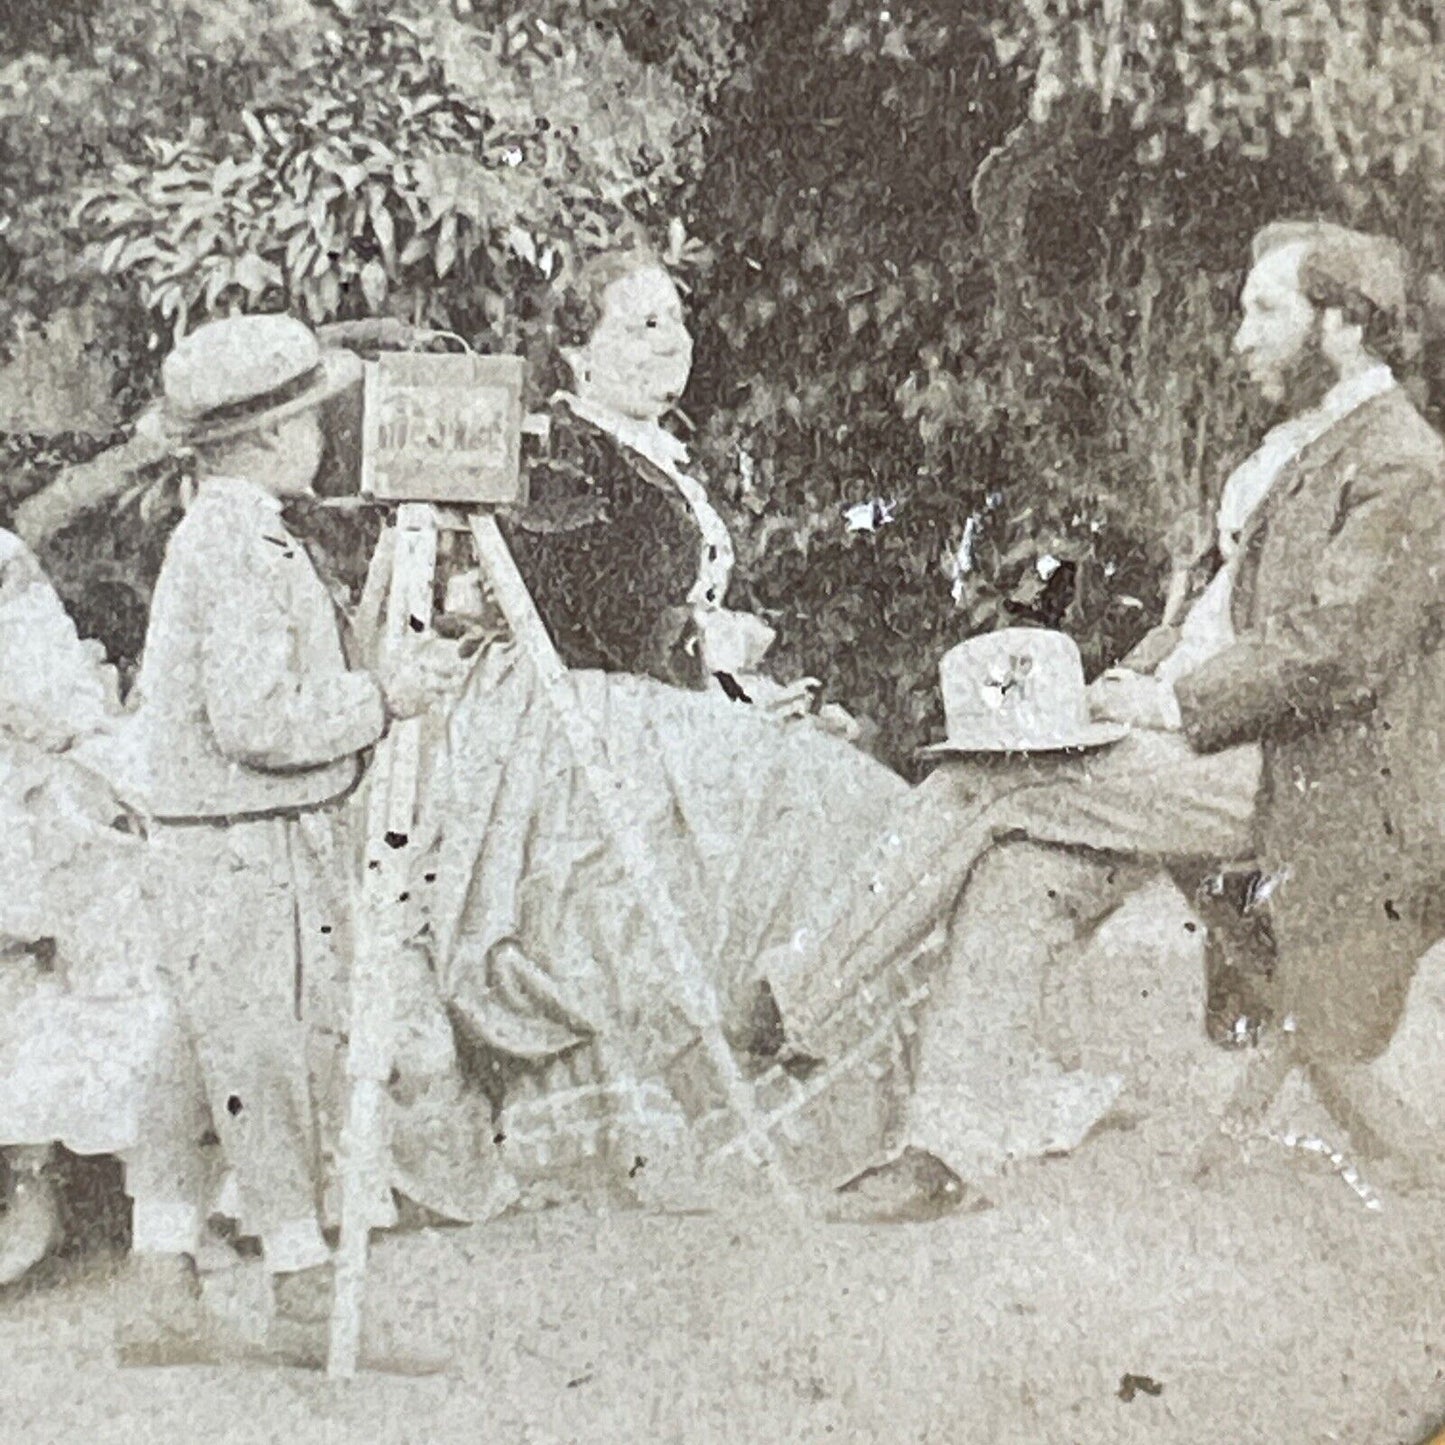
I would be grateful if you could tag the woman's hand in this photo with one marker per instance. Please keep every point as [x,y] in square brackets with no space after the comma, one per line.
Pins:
[795,700]
[734,642]
[1130,697]
[423,674]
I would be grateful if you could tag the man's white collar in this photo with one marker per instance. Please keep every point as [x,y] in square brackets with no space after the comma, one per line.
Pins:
[1345,397]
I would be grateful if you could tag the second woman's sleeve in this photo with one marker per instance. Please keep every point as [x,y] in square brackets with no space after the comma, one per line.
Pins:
[608,565]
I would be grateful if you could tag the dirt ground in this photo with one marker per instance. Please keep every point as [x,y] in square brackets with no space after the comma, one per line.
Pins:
[1269,1305]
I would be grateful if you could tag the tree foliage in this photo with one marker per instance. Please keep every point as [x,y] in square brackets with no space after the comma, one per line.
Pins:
[1013,269]
[1362,80]
[436,171]
[976,266]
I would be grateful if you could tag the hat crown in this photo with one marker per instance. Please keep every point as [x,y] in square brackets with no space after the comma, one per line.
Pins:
[1021,684]
[235,360]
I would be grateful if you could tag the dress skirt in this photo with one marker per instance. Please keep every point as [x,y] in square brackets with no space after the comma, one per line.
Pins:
[542,935]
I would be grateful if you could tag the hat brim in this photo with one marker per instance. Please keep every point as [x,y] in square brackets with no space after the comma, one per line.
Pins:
[339,371]
[1082,739]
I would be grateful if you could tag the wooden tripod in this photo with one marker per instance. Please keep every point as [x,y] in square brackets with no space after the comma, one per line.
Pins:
[381,912]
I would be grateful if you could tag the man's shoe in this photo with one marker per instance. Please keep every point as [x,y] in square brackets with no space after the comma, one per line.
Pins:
[299,1333]
[1395,1144]
[912,1188]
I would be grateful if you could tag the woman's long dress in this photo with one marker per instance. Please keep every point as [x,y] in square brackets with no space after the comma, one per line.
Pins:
[80,1020]
[541,937]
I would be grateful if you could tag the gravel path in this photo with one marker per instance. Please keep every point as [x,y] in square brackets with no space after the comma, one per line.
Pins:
[1269,1305]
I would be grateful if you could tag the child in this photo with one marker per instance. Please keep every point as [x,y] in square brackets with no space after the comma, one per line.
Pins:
[250,731]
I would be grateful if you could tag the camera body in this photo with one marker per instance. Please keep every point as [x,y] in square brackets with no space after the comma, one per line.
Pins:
[443,428]
[425,425]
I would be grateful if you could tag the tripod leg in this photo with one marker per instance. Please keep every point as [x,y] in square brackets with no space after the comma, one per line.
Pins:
[380,926]
[697,994]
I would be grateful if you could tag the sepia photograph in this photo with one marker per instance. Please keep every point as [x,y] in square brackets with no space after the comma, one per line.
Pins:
[722,722]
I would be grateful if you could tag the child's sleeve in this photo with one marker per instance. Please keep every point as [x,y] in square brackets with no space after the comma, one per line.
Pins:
[268,705]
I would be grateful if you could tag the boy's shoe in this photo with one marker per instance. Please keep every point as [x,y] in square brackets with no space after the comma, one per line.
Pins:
[165,1321]
[299,1333]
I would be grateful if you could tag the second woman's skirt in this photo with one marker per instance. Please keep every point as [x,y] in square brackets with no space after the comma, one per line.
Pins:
[544,932]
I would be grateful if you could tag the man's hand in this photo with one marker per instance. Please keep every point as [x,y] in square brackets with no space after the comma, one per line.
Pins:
[1130,697]
[423,674]
[838,722]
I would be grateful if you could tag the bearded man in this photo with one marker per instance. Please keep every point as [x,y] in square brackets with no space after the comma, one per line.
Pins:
[1291,720]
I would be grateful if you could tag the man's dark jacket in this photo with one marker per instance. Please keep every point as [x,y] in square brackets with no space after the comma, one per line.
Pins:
[1337,669]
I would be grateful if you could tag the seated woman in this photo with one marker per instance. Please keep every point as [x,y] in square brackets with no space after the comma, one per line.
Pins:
[750,804]
[78,1027]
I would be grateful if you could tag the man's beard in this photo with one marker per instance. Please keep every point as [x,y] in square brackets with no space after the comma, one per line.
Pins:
[1306,377]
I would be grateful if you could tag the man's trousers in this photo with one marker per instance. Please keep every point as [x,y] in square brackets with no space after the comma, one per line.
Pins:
[1018,858]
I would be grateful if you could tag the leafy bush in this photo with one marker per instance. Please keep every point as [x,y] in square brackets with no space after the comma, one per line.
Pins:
[397,162]
[430,172]
[995,286]
[978,267]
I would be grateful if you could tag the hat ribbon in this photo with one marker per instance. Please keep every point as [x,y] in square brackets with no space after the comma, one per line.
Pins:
[259,404]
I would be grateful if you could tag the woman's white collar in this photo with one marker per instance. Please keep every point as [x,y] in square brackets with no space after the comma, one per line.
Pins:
[647,438]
